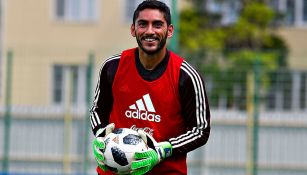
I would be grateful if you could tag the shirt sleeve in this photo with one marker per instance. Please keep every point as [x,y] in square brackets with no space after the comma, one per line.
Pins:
[103,99]
[195,110]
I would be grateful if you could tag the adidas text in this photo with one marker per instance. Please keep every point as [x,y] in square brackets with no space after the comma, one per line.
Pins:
[143,115]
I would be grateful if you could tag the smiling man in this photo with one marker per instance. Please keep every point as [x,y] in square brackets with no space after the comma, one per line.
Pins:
[153,90]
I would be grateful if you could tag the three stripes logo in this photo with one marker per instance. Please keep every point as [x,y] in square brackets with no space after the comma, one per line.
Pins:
[143,109]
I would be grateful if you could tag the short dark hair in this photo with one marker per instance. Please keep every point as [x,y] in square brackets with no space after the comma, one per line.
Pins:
[153,4]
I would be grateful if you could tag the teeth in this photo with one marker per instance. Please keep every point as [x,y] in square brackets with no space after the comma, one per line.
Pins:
[149,39]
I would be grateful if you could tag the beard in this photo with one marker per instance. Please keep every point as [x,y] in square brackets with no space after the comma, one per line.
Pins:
[160,46]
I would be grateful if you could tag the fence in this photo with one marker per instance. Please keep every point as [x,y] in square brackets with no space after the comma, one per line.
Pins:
[259,122]
[269,138]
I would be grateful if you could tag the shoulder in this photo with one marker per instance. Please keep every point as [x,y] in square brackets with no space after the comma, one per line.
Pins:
[115,59]
[189,74]
[111,61]
[109,68]
[189,69]
[176,58]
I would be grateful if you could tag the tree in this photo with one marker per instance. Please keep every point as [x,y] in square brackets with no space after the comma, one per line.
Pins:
[227,52]
[202,33]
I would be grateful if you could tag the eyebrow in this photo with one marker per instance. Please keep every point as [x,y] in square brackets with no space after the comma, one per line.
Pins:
[155,21]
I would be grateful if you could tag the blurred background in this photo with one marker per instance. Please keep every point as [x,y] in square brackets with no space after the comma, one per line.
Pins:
[252,54]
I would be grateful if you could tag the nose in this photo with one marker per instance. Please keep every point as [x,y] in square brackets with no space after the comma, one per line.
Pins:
[150,29]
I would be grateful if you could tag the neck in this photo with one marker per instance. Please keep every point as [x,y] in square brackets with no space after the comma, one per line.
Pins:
[149,62]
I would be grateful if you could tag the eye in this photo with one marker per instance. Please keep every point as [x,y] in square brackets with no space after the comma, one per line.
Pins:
[142,24]
[158,24]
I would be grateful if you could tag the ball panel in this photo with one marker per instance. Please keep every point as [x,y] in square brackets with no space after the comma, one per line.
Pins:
[118,131]
[120,148]
[132,139]
[119,156]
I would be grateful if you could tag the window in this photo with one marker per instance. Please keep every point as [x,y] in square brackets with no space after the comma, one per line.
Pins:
[226,11]
[274,4]
[1,40]
[60,8]
[76,10]
[69,84]
[305,11]
[290,18]
[293,12]
[58,84]
[131,5]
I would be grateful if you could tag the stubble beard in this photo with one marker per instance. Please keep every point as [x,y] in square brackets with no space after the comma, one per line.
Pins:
[161,45]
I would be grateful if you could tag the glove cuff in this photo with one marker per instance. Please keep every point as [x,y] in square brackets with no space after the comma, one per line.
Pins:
[102,132]
[164,150]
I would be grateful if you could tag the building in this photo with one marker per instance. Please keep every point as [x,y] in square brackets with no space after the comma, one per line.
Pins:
[294,30]
[51,38]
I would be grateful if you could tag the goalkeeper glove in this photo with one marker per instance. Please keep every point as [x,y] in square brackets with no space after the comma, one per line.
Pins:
[99,145]
[146,160]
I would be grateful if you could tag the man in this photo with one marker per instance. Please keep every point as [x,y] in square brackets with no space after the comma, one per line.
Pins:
[153,90]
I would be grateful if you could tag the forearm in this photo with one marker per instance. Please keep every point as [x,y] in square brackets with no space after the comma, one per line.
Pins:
[185,146]
[103,99]
[195,111]
[95,120]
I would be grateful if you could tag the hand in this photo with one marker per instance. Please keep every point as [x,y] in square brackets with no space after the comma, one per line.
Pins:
[146,160]
[99,145]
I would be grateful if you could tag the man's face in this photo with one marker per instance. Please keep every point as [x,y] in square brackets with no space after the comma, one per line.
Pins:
[151,31]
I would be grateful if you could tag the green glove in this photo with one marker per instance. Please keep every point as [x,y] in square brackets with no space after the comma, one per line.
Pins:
[98,145]
[146,160]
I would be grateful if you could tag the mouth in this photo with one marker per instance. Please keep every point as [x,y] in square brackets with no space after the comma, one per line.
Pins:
[150,39]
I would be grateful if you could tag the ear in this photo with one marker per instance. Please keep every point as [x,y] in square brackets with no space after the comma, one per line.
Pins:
[170,29]
[132,30]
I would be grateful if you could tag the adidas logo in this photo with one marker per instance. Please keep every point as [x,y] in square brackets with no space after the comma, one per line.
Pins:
[143,109]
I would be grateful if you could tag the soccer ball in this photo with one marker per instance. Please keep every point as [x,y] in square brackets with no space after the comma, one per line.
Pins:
[121,145]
